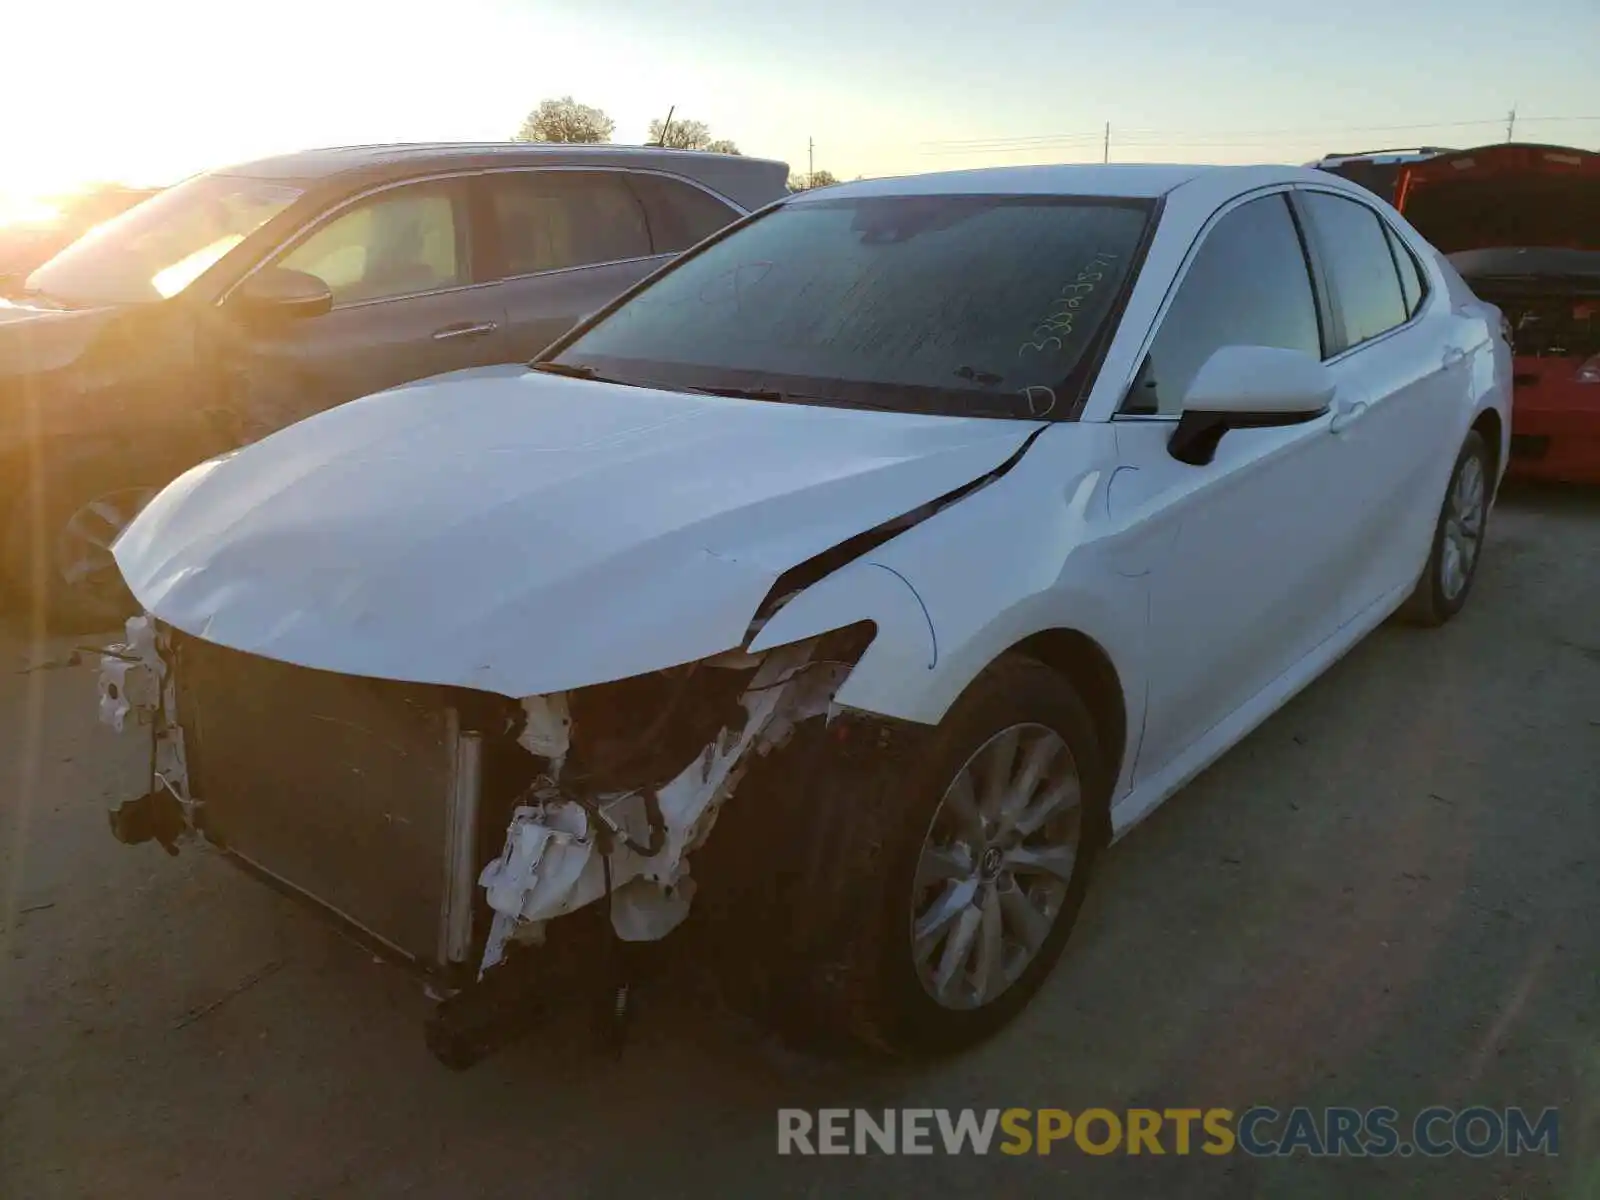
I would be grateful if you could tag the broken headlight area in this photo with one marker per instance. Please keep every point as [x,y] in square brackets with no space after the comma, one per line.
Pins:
[137,685]
[449,828]
[636,773]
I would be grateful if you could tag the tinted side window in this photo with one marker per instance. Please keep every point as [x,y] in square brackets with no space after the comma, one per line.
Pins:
[549,220]
[399,243]
[1247,286]
[1411,284]
[1361,271]
[680,214]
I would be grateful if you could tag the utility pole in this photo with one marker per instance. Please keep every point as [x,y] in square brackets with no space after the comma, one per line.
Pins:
[811,158]
[1511,121]
[1105,156]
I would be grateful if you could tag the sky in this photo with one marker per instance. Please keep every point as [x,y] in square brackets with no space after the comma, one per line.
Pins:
[148,92]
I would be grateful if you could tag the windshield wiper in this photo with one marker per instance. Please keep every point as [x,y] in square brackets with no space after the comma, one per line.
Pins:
[570,370]
[776,397]
[33,295]
[15,287]
[771,395]
[747,393]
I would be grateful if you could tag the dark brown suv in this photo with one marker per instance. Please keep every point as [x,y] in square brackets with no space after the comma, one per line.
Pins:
[244,299]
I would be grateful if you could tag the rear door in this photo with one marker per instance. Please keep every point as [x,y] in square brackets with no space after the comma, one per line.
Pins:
[1403,373]
[567,242]
[407,304]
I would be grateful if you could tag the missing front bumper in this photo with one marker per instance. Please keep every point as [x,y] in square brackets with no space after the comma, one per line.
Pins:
[386,805]
[358,795]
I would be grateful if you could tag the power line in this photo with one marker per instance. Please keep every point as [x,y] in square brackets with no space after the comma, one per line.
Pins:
[1305,129]
[1221,138]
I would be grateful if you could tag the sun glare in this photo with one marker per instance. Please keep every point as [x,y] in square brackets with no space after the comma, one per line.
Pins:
[26,210]
[172,280]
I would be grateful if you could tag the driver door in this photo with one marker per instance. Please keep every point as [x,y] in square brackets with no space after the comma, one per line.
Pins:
[405,307]
[1248,556]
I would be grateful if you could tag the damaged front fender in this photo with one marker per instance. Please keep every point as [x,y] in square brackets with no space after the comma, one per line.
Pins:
[903,646]
[562,853]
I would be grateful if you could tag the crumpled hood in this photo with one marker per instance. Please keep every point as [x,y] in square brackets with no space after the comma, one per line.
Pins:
[522,533]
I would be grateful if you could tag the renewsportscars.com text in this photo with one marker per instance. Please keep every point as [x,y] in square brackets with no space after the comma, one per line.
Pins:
[1260,1131]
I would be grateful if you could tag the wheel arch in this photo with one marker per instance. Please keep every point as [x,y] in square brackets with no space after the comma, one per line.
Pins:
[1488,424]
[1084,663]
[25,461]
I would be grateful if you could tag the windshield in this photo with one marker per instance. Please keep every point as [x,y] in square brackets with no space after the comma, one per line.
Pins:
[966,305]
[156,249]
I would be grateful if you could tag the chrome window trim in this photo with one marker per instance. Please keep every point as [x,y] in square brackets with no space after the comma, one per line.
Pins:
[1236,202]
[613,262]
[328,214]
[1423,309]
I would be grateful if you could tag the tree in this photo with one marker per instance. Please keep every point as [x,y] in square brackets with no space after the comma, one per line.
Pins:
[688,135]
[565,121]
[680,135]
[804,183]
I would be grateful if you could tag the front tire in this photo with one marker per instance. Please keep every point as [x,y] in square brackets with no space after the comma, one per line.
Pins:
[954,883]
[1457,546]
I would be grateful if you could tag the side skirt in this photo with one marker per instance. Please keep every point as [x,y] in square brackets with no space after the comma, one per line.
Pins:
[1144,799]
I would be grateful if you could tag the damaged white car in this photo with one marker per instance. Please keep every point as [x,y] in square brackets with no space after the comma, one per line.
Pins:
[841,590]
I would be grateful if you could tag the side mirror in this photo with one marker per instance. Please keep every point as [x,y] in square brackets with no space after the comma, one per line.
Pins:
[1248,387]
[281,292]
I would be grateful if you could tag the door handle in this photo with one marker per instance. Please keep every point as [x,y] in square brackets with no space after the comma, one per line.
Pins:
[1347,415]
[474,329]
[1452,356]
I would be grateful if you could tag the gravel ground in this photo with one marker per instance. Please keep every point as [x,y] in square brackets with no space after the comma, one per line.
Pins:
[1387,895]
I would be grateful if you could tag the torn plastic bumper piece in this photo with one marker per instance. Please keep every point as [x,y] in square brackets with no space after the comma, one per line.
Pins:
[552,861]
[156,816]
[136,683]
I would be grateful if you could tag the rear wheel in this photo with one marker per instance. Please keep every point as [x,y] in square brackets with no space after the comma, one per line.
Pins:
[1452,564]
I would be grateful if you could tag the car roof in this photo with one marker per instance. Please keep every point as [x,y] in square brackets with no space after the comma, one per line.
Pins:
[1112,180]
[747,181]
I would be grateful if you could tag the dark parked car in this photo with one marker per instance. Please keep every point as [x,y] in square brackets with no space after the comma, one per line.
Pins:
[245,299]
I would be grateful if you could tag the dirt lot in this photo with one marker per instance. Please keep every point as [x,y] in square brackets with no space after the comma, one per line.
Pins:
[1388,895]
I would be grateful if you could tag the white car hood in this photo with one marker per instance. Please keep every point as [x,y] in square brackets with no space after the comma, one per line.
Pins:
[523,533]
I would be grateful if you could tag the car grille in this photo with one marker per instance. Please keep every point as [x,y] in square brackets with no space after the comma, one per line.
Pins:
[337,786]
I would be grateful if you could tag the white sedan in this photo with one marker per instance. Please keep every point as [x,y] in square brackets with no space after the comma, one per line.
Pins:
[848,584]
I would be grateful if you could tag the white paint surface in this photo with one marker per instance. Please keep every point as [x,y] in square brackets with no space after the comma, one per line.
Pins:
[530,535]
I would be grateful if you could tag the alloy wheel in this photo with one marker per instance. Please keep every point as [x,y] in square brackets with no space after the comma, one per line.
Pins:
[994,866]
[83,545]
[1463,528]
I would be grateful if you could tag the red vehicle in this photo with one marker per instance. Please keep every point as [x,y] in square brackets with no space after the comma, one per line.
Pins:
[1521,223]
